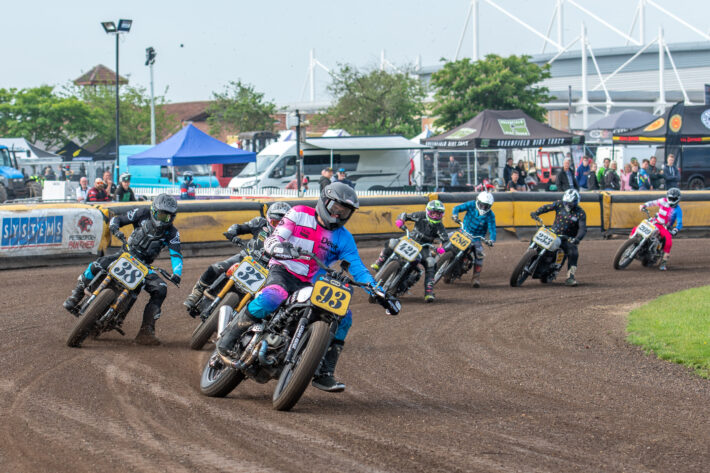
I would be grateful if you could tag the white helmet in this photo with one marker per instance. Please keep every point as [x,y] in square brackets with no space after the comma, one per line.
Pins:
[570,198]
[484,202]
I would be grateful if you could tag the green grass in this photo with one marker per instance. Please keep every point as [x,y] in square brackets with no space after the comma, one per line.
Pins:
[676,327]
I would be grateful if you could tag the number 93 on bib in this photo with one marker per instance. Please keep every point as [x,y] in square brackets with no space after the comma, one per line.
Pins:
[331,295]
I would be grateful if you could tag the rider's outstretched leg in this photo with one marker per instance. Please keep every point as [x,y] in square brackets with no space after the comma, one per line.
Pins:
[384,254]
[158,289]
[572,257]
[324,379]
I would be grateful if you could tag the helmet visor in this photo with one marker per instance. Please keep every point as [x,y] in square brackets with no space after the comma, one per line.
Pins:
[274,222]
[435,214]
[163,216]
[338,210]
[484,206]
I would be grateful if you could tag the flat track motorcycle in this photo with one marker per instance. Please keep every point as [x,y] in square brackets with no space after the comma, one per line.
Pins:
[402,269]
[459,257]
[543,259]
[645,244]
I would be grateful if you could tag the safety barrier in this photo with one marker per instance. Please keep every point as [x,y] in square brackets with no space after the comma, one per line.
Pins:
[257,193]
[621,209]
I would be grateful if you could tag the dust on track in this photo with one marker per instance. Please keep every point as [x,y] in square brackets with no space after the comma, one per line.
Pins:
[532,379]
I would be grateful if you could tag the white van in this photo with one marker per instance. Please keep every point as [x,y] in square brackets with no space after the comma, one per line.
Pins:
[371,162]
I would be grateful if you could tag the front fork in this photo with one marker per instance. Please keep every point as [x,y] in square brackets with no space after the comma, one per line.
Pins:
[227,287]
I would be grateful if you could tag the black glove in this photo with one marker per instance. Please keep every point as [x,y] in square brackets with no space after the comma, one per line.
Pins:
[674,232]
[117,233]
[231,232]
[237,241]
[490,243]
[175,279]
[574,241]
[285,250]
[456,219]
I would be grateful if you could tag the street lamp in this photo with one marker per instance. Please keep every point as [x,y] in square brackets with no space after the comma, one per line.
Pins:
[149,61]
[124,26]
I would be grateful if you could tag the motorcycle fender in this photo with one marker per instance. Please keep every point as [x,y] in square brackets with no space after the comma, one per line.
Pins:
[300,329]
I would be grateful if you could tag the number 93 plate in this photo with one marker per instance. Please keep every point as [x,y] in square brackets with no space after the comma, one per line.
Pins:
[128,271]
[250,275]
[331,295]
[408,249]
[545,238]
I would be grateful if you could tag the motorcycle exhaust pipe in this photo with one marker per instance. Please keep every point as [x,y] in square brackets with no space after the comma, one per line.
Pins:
[226,314]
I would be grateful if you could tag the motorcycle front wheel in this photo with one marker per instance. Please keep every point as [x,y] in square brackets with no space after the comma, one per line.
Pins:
[92,314]
[204,331]
[622,257]
[295,376]
[387,276]
[443,268]
[520,274]
[218,382]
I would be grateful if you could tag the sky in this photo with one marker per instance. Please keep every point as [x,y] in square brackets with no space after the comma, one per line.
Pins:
[202,45]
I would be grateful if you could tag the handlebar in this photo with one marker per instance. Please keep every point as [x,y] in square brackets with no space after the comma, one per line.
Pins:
[645,210]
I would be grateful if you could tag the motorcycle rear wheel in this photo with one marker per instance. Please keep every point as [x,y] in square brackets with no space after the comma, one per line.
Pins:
[204,331]
[621,259]
[443,268]
[295,376]
[92,314]
[519,273]
[218,382]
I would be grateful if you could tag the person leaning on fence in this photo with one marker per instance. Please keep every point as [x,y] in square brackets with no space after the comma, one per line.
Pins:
[612,181]
[634,176]
[325,178]
[654,174]
[82,190]
[592,181]
[565,178]
[454,169]
[671,173]
[508,171]
[98,192]
[187,187]
[124,193]
[551,185]
[515,184]
[625,176]
[643,179]
[583,172]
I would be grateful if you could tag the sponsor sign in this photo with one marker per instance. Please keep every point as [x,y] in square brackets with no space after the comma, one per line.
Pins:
[515,127]
[50,231]
[653,126]
[458,134]
[675,122]
[705,118]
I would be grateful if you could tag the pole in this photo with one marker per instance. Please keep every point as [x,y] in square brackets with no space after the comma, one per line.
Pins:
[312,75]
[585,100]
[661,72]
[152,108]
[331,158]
[118,126]
[299,159]
[560,32]
[569,108]
[468,166]
[436,170]
[474,24]
[475,167]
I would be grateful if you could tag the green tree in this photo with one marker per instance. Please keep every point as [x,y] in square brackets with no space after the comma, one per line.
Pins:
[464,88]
[375,102]
[240,108]
[40,114]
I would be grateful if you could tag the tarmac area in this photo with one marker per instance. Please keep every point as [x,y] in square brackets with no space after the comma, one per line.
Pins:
[498,379]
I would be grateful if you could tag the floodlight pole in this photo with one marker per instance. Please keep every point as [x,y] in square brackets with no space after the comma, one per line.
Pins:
[299,160]
[118,126]
[152,108]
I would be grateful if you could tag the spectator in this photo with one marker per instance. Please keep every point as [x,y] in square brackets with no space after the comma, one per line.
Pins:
[428,170]
[508,170]
[325,176]
[343,177]
[62,174]
[602,171]
[625,176]
[188,189]
[515,185]
[521,171]
[49,174]
[671,173]
[654,174]
[552,184]
[292,185]
[583,173]
[565,178]
[98,192]
[82,171]
[643,179]
[124,193]
[612,181]
[634,177]
[82,189]
[485,186]
[592,182]
[99,171]
[110,186]
[454,169]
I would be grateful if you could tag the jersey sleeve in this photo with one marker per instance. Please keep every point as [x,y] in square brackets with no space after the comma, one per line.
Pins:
[465,207]
[133,216]
[546,208]
[653,203]
[492,225]
[282,233]
[582,225]
[175,251]
[679,218]
[347,251]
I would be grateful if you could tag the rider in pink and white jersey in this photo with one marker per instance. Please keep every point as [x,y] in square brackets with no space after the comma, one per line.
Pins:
[669,214]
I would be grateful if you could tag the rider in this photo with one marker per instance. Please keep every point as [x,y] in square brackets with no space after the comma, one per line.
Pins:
[478,221]
[427,228]
[570,221]
[321,231]
[187,187]
[669,214]
[259,228]
[152,230]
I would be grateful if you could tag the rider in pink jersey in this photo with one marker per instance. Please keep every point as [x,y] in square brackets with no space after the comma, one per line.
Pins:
[669,213]
[319,230]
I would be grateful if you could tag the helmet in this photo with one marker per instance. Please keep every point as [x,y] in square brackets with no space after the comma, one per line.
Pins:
[187,175]
[673,196]
[163,211]
[276,212]
[570,198]
[484,202]
[125,177]
[336,205]
[435,211]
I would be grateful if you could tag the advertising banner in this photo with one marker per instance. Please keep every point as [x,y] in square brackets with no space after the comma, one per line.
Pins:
[36,232]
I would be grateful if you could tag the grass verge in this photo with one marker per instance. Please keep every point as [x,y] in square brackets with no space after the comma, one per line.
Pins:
[676,327]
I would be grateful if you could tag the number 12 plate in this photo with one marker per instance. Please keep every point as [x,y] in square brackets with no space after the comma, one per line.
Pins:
[331,296]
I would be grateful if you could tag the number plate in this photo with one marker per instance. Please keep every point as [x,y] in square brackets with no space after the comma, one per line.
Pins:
[408,249]
[128,271]
[645,229]
[250,275]
[460,240]
[332,296]
[545,238]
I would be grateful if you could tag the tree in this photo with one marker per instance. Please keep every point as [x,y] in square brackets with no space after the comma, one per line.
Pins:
[464,88]
[375,102]
[39,114]
[240,108]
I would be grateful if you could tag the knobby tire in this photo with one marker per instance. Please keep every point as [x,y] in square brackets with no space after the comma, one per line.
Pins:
[93,313]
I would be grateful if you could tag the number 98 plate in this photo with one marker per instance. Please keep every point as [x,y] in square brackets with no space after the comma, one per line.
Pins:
[128,271]
[332,296]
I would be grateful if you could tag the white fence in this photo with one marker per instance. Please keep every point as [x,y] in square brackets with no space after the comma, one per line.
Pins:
[226,193]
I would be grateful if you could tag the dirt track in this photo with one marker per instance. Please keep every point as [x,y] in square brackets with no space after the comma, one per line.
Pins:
[498,379]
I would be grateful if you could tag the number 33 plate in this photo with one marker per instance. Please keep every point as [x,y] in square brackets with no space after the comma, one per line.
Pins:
[331,296]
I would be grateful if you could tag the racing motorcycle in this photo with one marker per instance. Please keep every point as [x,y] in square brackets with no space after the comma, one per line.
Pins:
[460,258]
[289,344]
[234,288]
[110,296]
[645,244]
[402,269]
[543,259]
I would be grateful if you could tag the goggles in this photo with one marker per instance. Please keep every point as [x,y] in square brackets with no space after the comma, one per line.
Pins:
[484,206]
[163,216]
[274,222]
[435,214]
[338,210]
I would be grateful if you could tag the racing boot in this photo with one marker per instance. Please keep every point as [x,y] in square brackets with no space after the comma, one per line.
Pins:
[571,281]
[146,334]
[323,378]
[664,262]
[76,296]
[195,295]
[429,291]
[234,331]
[476,281]
[378,262]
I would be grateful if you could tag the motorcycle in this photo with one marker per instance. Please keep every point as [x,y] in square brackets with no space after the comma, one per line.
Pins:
[543,259]
[289,344]
[234,288]
[110,296]
[645,244]
[402,269]
[459,259]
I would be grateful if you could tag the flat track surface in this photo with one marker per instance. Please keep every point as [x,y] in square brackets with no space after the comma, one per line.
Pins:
[533,379]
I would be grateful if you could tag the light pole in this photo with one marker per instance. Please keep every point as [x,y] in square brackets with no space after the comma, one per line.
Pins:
[149,61]
[124,26]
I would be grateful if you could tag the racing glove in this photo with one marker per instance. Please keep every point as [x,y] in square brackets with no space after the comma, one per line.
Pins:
[490,243]
[674,231]
[456,219]
[117,233]
[231,232]
[441,250]
[642,207]
[574,241]
[285,250]
[175,279]
[399,223]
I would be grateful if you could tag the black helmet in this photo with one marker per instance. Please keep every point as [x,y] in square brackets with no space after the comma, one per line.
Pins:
[163,210]
[336,205]
[673,196]
[276,212]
